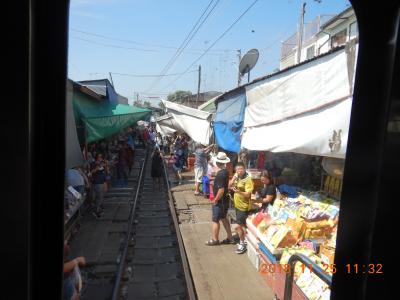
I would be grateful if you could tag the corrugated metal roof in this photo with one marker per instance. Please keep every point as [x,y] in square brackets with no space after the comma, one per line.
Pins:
[98,86]
[101,90]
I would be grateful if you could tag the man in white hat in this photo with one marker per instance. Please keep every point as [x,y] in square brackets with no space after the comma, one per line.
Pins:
[221,202]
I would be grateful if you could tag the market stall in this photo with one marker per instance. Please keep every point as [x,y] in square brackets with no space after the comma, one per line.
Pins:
[303,110]
[304,224]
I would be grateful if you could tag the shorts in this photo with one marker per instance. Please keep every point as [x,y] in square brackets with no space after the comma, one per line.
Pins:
[241,216]
[219,211]
[68,289]
[198,174]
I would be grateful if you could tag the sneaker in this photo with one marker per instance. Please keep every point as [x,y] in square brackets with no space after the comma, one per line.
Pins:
[242,248]
[96,215]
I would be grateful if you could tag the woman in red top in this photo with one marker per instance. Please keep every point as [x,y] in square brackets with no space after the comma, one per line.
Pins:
[261,161]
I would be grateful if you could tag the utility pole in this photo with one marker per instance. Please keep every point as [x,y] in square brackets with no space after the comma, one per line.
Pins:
[111,79]
[239,59]
[300,32]
[198,86]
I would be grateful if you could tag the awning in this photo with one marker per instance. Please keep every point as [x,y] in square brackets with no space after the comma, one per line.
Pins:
[228,122]
[194,122]
[167,125]
[105,119]
[73,153]
[305,109]
[298,90]
[323,132]
[209,106]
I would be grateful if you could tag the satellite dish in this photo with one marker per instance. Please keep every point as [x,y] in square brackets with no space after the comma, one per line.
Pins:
[248,62]
[333,166]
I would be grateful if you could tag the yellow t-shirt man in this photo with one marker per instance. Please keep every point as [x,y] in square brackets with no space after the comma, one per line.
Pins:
[245,185]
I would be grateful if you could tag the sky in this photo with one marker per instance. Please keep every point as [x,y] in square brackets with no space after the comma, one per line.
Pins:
[135,39]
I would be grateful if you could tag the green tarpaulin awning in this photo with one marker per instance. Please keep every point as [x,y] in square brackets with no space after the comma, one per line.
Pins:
[103,119]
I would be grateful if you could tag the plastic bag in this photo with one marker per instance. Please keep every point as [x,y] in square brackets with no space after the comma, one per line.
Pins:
[77,278]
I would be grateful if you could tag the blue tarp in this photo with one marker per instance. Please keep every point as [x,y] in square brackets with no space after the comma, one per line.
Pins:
[228,123]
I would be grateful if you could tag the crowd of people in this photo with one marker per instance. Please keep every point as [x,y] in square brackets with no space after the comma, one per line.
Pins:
[110,162]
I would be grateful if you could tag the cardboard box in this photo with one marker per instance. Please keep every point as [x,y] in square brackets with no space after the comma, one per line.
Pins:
[327,254]
[296,225]
[288,241]
[317,229]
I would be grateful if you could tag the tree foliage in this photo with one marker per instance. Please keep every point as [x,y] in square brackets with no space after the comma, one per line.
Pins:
[138,103]
[179,96]
[142,104]
[146,104]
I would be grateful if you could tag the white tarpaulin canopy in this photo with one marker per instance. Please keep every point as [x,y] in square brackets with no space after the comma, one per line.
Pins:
[312,133]
[301,109]
[194,122]
[167,125]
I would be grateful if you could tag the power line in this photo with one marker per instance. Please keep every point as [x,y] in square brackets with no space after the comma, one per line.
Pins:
[114,46]
[155,93]
[219,38]
[143,44]
[181,47]
[131,48]
[187,40]
[137,75]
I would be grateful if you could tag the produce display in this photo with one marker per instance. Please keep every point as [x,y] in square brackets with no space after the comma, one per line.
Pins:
[305,224]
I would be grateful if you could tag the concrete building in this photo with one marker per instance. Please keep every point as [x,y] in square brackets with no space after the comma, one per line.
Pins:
[320,36]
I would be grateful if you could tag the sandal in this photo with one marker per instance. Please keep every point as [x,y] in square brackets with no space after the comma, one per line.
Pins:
[212,243]
[228,241]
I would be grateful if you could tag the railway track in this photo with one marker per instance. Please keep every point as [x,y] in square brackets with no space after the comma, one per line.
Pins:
[152,263]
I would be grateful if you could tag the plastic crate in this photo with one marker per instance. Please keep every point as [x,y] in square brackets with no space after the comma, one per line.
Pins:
[253,256]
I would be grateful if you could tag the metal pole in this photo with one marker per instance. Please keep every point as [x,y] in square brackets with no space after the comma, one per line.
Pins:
[111,79]
[300,32]
[239,59]
[198,86]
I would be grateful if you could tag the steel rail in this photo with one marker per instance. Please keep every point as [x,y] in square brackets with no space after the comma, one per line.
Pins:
[121,266]
[186,268]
